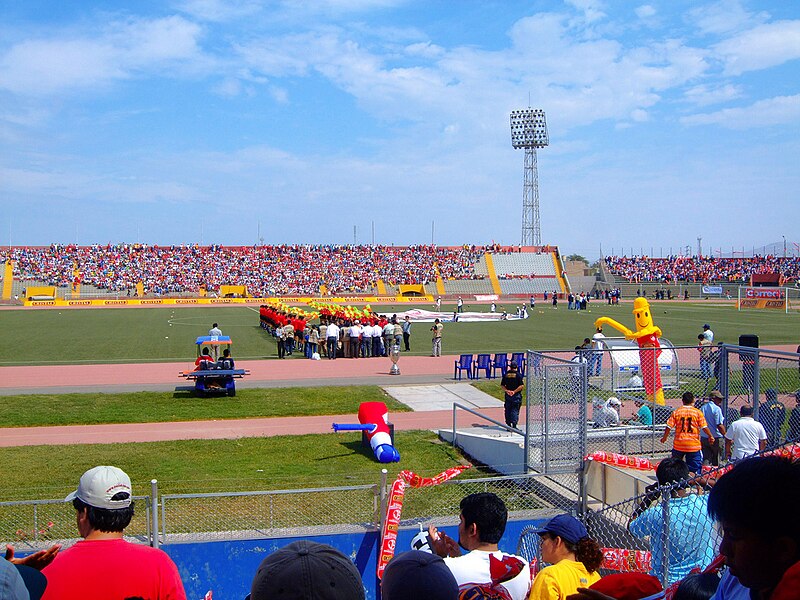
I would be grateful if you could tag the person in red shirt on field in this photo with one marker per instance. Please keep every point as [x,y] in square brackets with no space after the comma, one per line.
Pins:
[688,422]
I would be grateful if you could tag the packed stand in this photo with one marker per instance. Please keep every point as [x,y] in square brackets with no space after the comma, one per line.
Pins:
[265,270]
[701,269]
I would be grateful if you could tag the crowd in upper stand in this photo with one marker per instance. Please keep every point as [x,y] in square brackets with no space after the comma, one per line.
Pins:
[265,270]
[701,269]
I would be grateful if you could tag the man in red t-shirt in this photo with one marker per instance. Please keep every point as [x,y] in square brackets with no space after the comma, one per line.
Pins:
[103,565]
[688,422]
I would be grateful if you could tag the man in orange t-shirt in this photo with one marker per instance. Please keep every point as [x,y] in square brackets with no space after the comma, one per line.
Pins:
[688,422]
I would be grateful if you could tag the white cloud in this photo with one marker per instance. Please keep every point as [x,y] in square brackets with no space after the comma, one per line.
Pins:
[725,16]
[645,11]
[46,66]
[773,111]
[762,47]
[219,10]
[706,94]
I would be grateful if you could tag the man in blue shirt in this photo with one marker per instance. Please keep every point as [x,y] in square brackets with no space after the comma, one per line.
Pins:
[692,537]
[712,446]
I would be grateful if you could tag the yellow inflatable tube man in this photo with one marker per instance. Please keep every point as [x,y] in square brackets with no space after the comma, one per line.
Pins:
[646,336]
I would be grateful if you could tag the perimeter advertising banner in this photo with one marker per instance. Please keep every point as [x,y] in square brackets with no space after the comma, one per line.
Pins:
[762,297]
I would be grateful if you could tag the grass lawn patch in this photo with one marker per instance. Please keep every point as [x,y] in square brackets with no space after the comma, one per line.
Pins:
[167,334]
[147,407]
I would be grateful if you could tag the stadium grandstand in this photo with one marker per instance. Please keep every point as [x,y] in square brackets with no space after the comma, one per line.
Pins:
[285,270]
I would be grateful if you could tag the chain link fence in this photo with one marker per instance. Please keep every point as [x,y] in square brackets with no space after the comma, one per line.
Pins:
[665,532]
[31,525]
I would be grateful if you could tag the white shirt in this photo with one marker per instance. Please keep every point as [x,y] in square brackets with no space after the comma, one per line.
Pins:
[473,569]
[332,331]
[708,334]
[745,435]
[355,331]
[215,331]
[598,338]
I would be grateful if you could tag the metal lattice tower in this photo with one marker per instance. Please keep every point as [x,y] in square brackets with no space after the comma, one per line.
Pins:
[529,131]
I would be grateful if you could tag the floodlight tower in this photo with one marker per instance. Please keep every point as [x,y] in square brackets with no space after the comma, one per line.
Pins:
[529,131]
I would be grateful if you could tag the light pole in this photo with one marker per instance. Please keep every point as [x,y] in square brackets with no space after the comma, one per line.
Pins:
[529,131]
[784,246]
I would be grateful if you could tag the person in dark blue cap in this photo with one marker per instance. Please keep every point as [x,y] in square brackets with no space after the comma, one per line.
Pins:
[574,558]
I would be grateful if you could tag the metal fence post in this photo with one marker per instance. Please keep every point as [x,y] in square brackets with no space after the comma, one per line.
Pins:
[382,509]
[666,494]
[154,512]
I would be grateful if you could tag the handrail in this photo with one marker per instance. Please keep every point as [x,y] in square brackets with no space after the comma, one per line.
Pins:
[456,405]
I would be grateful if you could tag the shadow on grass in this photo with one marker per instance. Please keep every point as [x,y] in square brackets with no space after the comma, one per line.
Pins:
[355,447]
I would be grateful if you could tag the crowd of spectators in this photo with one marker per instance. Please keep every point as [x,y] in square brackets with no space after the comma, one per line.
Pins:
[701,269]
[265,270]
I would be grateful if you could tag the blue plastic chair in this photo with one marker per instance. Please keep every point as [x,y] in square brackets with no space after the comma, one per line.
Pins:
[519,358]
[464,363]
[500,362]
[483,363]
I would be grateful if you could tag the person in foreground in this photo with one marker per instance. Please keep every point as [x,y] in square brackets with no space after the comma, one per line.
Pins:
[485,572]
[692,538]
[756,504]
[574,558]
[420,575]
[103,565]
[303,570]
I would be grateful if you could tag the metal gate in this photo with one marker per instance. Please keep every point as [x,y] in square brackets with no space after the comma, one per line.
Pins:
[556,413]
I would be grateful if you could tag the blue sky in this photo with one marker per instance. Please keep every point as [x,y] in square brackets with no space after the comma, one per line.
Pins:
[218,121]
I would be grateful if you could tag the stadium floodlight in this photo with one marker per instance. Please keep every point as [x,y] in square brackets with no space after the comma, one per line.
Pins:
[529,132]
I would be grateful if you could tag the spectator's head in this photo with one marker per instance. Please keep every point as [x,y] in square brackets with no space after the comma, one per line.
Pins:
[756,504]
[599,329]
[687,398]
[797,397]
[307,569]
[483,520]
[587,341]
[564,537]
[512,366]
[697,586]
[418,574]
[746,411]
[671,470]
[103,500]
[214,326]
[615,403]
[226,353]
[771,395]
[716,397]
[206,351]
[706,327]
[700,336]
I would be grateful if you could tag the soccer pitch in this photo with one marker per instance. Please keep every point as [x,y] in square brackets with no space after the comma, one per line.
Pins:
[119,335]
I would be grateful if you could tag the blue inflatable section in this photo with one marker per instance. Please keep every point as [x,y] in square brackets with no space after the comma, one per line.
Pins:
[227,568]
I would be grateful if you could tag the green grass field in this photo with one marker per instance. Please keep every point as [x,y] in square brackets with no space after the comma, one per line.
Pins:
[35,410]
[167,334]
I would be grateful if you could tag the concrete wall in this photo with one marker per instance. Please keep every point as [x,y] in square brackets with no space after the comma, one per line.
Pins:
[227,568]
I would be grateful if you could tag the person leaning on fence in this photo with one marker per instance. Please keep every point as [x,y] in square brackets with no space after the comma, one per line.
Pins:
[688,422]
[690,531]
[745,437]
[103,564]
[793,433]
[715,420]
[756,504]
[574,559]
[306,569]
[485,571]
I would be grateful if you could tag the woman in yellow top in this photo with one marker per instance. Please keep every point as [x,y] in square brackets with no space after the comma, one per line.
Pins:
[574,558]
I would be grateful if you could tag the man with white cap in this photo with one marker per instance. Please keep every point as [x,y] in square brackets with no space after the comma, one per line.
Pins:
[103,564]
